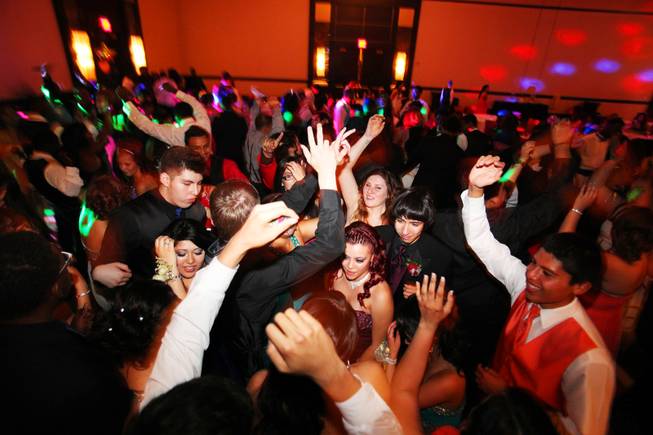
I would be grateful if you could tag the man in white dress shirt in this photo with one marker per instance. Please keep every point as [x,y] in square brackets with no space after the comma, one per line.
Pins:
[549,345]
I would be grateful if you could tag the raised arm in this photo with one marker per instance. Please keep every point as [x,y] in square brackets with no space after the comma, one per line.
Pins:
[299,344]
[495,256]
[346,179]
[199,112]
[262,285]
[585,198]
[187,336]
[434,307]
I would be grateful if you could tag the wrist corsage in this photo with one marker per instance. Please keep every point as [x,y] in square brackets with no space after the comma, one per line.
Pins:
[164,271]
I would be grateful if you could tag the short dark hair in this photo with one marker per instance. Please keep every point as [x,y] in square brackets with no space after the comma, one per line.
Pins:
[290,404]
[183,110]
[452,124]
[227,97]
[632,233]
[470,119]
[203,406]
[414,203]
[29,271]
[580,257]
[195,131]
[231,203]
[176,159]
[128,330]
[188,229]
[513,411]
[262,120]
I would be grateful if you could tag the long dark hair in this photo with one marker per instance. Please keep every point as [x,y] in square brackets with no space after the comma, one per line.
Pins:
[188,229]
[128,330]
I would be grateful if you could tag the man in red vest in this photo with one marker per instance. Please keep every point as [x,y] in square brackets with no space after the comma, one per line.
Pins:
[549,346]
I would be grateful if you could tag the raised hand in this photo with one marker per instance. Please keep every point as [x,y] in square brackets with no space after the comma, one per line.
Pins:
[586,197]
[374,127]
[164,248]
[526,151]
[264,224]
[297,170]
[562,132]
[299,344]
[485,172]
[434,305]
[270,144]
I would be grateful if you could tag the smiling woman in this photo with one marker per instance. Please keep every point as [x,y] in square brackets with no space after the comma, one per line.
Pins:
[180,252]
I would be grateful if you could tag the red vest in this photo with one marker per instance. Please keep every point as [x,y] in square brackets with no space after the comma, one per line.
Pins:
[538,365]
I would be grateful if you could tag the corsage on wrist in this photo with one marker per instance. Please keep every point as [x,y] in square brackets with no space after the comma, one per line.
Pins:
[164,271]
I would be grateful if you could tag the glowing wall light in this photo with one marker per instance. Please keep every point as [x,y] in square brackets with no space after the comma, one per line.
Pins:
[607,66]
[321,61]
[137,51]
[524,51]
[563,69]
[362,43]
[528,82]
[104,24]
[400,65]
[646,76]
[83,53]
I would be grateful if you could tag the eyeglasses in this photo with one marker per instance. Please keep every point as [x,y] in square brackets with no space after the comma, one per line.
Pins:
[68,257]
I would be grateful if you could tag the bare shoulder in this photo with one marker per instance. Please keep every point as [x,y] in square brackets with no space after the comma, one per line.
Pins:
[372,372]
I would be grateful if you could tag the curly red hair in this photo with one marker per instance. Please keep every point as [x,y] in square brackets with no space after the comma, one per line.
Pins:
[362,233]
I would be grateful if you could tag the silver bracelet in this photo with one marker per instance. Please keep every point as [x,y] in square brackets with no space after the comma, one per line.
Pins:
[81,295]
[575,210]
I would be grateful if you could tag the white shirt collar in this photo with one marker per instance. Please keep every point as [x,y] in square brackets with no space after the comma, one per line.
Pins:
[550,317]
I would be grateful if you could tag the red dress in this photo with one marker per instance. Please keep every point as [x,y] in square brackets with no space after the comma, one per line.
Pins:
[606,312]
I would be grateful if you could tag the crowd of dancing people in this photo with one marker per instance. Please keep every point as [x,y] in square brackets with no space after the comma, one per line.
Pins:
[177,259]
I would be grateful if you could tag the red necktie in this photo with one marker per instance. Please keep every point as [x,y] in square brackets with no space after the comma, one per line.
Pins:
[524,326]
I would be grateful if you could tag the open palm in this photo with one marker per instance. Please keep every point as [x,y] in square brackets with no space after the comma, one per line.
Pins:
[486,171]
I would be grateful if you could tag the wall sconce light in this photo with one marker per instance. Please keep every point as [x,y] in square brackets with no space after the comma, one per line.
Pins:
[105,24]
[137,52]
[81,45]
[362,43]
[321,62]
[400,65]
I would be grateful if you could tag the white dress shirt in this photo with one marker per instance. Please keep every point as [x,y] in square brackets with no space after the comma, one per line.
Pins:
[187,336]
[170,133]
[588,382]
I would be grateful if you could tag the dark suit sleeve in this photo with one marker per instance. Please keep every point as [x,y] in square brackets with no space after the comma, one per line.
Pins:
[297,198]
[122,235]
[260,287]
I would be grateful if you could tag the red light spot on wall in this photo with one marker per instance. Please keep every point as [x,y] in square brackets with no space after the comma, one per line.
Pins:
[638,47]
[493,73]
[634,85]
[571,37]
[524,51]
[630,29]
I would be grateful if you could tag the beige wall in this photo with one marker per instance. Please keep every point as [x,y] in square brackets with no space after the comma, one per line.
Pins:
[259,38]
[29,36]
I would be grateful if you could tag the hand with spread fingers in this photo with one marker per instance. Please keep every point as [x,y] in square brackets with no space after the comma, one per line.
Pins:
[434,305]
